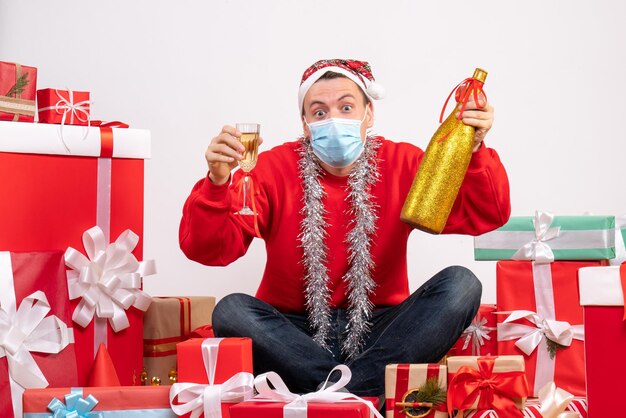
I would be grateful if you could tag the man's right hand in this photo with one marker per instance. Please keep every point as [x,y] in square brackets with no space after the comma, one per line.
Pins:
[223,153]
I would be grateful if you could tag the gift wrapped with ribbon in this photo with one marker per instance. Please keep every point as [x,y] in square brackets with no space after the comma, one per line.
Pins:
[546,238]
[235,355]
[543,321]
[483,383]
[479,339]
[18,84]
[63,107]
[416,390]
[275,400]
[602,294]
[553,402]
[99,181]
[107,282]
[98,402]
[213,399]
[167,322]
[36,347]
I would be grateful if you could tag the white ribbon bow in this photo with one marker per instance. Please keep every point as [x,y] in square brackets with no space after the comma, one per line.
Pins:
[207,398]
[477,333]
[108,280]
[29,329]
[78,110]
[537,249]
[554,401]
[297,404]
[529,337]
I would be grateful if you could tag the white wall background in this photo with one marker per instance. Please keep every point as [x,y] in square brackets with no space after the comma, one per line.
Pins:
[185,68]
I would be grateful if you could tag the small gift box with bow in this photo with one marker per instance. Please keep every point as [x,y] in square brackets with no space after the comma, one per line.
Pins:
[416,391]
[479,339]
[602,294]
[568,238]
[36,339]
[543,321]
[98,402]
[226,356]
[275,400]
[64,107]
[18,84]
[223,380]
[98,181]
[167,322]
[483,383]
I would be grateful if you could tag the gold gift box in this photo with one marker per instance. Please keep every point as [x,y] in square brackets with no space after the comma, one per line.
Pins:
[167,322]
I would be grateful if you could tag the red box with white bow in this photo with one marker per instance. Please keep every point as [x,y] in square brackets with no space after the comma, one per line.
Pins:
[65,107]
[36,343]
[57,186]
[602,294]
[545,324]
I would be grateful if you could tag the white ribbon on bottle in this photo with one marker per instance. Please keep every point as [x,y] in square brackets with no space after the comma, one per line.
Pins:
[544,327]
[108,280]
[296,405]
[207,398]
[26,329]
[477,333]
[537,249]
[620,247]
[76,111]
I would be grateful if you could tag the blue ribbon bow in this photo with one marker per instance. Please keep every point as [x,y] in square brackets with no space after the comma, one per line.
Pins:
[75,406]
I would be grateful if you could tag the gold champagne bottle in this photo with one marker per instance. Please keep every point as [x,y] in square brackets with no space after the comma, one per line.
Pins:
[443,167]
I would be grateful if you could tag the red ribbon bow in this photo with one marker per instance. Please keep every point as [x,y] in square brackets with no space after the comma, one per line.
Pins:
[466,88]
[493,390]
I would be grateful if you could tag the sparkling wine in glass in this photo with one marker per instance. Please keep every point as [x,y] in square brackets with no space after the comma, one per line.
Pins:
[250,141]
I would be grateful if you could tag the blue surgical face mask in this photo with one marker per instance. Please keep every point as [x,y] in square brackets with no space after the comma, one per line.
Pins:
[337,142]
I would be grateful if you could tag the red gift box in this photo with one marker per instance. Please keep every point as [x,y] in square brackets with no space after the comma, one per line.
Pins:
[540,295]
[51,197]
[481,383]
[135,400]
[233,355]
[275,400]
[602,294]
[65,107]
[33,280]
[259,409]
[479,339]
[402,379]
[224,363]
[18,84]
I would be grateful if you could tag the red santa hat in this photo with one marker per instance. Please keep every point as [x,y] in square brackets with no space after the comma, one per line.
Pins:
[358,71]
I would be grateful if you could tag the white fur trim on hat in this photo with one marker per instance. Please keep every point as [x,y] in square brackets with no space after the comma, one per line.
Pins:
[372,90]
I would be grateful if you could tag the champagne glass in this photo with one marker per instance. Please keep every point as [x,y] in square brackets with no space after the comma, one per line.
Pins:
[250,141]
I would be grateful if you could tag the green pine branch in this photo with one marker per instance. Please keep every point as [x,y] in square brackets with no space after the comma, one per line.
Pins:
[431,392]
[18,87]
[553,347]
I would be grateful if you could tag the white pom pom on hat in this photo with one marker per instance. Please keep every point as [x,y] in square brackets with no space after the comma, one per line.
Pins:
[358,71]
[375,91]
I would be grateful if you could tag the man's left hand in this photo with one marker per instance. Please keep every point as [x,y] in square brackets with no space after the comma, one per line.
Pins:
[480,117]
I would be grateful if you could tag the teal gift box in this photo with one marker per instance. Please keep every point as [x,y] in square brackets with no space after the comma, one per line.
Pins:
[546,238]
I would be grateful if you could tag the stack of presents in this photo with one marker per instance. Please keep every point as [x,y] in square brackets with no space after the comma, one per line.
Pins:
[79,337]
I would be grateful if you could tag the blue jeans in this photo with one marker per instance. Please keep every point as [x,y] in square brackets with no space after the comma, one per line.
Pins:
[421,329]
